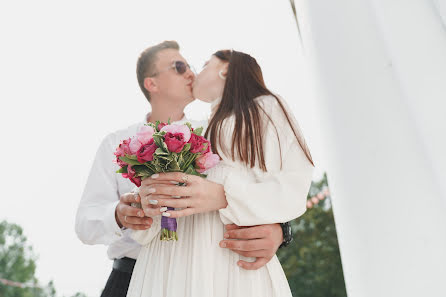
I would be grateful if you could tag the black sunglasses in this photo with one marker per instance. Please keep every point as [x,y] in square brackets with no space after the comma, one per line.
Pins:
[179,66]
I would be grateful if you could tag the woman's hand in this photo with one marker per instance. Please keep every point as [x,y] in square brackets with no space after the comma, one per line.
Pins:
[198,196]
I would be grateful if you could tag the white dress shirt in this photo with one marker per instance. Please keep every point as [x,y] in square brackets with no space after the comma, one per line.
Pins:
[95,218]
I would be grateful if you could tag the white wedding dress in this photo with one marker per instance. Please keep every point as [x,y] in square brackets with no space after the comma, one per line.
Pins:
[195,265]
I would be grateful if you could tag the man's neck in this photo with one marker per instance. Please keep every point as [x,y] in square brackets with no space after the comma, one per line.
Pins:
[163,112]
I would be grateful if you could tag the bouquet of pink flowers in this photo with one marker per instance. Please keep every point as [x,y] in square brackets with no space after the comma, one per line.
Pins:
[162,147]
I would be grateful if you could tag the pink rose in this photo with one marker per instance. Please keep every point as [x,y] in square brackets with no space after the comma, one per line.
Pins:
[130,172]
[131,175]
[120,162]
[178,129]
[175,142]
[136,181]
[145,134]
[206,161]
[199,144]
[145,153]
[123,148]
[134,145]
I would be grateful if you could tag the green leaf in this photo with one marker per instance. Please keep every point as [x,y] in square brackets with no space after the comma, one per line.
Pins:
[165,147]
[159,140]
[181,160]
[142,170]
[191,170]
[174,165]
[186,147]
[189,125]
[150,166]
[167,158]
[157,124]
[198,131]
[129,161]
[160,151]
[168,121]
[132,157]
[122,170]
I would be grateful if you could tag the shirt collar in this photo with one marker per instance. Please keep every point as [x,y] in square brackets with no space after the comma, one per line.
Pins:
[146,120]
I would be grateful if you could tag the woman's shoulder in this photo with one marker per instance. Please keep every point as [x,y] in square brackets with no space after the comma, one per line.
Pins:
[273,105]
[276,109]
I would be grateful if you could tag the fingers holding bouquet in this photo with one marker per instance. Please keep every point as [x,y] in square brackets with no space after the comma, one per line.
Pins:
[131,217]
[192,194]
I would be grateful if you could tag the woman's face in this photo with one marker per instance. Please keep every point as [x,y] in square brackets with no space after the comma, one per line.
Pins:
[208,85]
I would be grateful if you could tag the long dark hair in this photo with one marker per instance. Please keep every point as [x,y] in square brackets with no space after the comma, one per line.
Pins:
[244,83]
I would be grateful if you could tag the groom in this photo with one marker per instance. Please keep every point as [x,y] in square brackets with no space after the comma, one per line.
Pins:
[105,214]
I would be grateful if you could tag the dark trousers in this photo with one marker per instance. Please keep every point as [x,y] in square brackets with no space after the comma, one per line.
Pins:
[119,279]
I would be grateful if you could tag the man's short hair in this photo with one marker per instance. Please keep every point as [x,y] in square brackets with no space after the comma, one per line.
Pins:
[145,66]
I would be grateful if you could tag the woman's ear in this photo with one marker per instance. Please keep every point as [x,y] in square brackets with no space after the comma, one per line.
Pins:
[150,85]
[225,69]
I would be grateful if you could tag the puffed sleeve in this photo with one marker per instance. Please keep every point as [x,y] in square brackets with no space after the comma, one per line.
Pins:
[280,194]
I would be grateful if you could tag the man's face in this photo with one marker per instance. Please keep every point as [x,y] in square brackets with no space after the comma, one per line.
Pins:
[177,88]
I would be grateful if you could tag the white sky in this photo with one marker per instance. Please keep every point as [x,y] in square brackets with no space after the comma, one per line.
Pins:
[67,72]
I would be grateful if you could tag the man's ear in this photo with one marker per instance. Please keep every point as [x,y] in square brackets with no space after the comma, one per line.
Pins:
[150,85]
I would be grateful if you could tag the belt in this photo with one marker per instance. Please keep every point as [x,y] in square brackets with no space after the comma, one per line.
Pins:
[124,265]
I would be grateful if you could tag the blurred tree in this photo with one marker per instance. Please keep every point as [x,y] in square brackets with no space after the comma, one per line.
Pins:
[312,261]
[18,266]
[79,294]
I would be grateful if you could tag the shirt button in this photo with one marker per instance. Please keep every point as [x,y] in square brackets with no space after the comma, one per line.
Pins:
[117,233]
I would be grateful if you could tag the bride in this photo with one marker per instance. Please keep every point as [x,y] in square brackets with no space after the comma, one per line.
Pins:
[263,178]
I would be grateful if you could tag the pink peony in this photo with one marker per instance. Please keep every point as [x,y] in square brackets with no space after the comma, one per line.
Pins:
[145,153]
[145,134]
[174,129]
[175,142]
[198,144]
[123,148]
[206,161]
[134,145]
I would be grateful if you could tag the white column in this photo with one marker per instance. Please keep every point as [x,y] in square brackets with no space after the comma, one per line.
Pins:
[380,74]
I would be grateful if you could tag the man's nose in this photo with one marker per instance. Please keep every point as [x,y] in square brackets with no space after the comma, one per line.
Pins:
[190,74]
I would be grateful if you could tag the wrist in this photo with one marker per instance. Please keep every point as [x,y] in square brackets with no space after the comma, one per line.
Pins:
[223,203]
[287,234]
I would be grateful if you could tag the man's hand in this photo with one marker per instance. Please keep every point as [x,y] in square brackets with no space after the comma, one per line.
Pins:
[260,241]
[129,216]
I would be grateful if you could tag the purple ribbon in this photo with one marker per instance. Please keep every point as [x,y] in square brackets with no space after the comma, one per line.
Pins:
[169,223]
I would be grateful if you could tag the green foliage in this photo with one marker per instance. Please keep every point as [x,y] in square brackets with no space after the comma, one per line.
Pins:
[312,262]
[17,261]
[18,264]
[198,131]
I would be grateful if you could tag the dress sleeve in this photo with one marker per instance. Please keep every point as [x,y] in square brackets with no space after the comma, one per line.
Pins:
[280,194]
[95,217]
